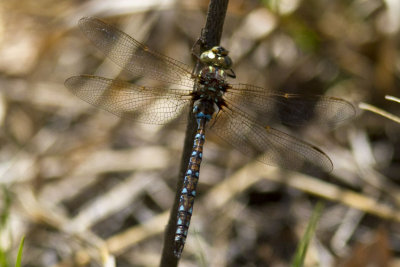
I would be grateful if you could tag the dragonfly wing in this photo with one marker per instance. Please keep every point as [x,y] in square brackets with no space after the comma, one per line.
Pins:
[134,56]
[272,146]
[139,103]
[271,107]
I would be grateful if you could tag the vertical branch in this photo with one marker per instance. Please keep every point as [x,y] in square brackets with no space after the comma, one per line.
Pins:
[211,36]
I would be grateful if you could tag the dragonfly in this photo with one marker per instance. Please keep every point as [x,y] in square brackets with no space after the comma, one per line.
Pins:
[243,115]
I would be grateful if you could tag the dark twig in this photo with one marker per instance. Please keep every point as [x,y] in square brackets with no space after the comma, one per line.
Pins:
[211,36]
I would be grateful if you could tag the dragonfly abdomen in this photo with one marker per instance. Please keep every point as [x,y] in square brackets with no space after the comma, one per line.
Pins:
[188,192]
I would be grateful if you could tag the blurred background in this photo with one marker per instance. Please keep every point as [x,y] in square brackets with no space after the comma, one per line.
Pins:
[87,188]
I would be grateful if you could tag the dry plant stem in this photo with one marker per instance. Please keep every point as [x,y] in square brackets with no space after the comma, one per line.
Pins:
[378,111]
[392,98]
[211,36]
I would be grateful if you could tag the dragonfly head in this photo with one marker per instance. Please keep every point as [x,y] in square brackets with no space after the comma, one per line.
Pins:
[218,57]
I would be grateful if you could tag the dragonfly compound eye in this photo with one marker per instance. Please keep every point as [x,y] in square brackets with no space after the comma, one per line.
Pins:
[216,49]
[216,56]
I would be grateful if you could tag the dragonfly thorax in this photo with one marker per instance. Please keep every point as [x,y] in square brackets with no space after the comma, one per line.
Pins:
[211,85]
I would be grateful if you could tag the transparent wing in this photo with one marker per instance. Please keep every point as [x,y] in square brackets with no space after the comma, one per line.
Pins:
[133,56]
[270,107]
[272,146]
[139,103]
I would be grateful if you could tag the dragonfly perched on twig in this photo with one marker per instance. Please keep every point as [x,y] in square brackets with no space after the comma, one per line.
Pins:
[243,115]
